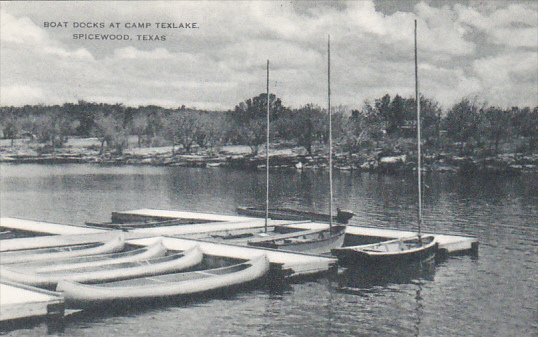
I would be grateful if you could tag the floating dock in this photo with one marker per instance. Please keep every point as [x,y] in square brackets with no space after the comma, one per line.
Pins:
[450,244]
[163,215]
[19,301]
[203,225]
[218,236]
[295,264]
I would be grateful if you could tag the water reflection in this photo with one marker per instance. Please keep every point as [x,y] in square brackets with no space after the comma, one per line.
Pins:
[364,278]
[480,294]
[419,310]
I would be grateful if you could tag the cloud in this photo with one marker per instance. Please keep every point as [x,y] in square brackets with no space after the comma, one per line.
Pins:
[514,26]
[21,95]
[509,78]
[21,30]
[463,49]
[134,53]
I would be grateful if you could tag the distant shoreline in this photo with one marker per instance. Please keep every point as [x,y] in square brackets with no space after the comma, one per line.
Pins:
[293,158]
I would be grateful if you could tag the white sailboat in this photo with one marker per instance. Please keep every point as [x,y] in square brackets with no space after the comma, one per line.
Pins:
[403,250]
[313,241]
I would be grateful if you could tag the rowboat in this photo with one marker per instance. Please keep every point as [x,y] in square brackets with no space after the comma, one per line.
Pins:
[403,250]
[110,272]
[169,285]
[311,241]
[342,216]
[155,250]
[63,252]
[388,253]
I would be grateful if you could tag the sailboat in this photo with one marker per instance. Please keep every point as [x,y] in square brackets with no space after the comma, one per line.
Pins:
[402,250]
[342,216]
[313,241]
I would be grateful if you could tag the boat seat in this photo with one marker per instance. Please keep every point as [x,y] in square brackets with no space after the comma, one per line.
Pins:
[284,236]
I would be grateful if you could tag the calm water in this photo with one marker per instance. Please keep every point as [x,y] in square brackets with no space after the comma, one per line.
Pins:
[492,295]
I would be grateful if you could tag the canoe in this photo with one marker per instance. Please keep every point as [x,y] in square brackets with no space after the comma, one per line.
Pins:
[311,241]
[155,250]
[342,216]
[388,253]
[57,253]
[169,285]
[111,272]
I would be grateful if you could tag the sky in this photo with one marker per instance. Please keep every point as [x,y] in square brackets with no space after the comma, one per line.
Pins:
[484,49]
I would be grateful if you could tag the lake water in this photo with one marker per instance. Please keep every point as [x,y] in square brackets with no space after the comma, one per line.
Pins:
[494,294]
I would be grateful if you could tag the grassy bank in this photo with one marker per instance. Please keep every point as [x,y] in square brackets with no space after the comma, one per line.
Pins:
[87,150]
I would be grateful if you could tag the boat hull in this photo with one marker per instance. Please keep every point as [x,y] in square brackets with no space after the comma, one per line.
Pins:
[106,273]
[155,250]
[57,253]
[171,285]
[295,215]
[360,256]
[315,243]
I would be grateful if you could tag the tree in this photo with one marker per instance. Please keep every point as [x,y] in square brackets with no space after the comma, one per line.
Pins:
[395,114]
[382,109]
[306,125]
[155,123]
[110,130]
[253,133]
[182,128]
[250,119]
[364,127]
[525,123]
[462,121]
[210,129]
[430,119]
[54,126]
[11,127]
[256,108]
[139,125]
[495,125]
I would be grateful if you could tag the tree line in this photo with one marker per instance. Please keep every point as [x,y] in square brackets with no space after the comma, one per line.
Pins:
[386,123]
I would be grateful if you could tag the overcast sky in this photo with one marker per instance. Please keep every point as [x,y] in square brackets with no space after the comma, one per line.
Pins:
[466,48]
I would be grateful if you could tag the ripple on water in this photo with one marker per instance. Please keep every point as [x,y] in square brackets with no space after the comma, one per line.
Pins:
[493,294]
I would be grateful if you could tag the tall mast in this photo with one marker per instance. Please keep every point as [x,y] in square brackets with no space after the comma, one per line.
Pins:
[330,133]
[267,157]
[419,172]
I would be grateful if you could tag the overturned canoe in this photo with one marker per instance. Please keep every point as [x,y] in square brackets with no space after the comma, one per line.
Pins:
[105,273]
[342,216]
[155,250]
[63,252]
[177,284]
[316,241]
[388,253]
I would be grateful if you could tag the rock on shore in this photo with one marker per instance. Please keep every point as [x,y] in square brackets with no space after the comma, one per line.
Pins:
[288,158]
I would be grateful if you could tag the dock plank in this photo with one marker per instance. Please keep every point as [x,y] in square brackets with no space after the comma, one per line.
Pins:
[451,243]
[166,214]
[20,301]
[48,227]
[300,264]
[210,227]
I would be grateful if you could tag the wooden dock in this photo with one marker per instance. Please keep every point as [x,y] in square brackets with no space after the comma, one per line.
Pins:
[218,236]
[296,263]
[163,215]
[49,227]
[207,224]
[19,301]
[450,244]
